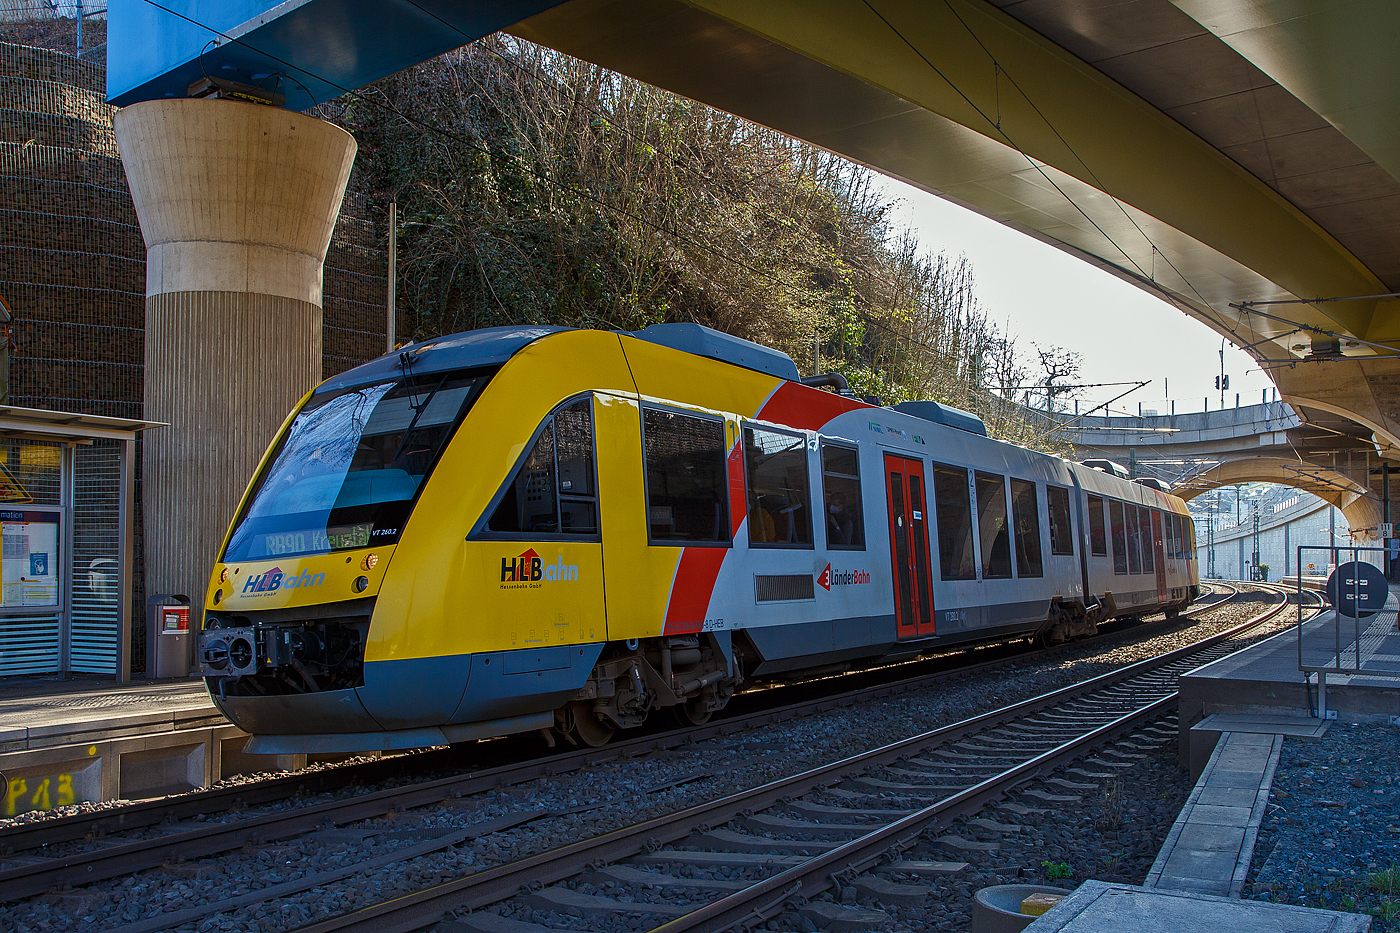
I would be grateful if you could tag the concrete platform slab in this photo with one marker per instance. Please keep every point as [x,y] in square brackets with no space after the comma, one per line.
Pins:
[1210,845]
[1100,907]
[71,741]
[1260,689]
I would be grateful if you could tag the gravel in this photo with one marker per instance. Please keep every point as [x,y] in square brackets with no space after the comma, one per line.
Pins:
[622,792]
[1331,837]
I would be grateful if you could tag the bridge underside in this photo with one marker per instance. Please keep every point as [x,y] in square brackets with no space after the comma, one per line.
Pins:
[1214,152]
[1204,159]
[1360,506]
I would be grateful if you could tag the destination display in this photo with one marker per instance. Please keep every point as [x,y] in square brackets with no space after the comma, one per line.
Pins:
[29,559]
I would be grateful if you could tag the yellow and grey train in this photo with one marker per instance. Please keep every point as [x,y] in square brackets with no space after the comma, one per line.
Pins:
[535,528]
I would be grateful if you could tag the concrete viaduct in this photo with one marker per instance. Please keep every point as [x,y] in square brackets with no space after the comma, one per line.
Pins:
[1264,443]
[1239,158]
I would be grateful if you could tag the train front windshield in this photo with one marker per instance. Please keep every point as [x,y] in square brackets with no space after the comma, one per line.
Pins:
[346,473]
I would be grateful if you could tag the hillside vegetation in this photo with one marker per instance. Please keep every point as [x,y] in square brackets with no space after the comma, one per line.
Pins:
[534,187]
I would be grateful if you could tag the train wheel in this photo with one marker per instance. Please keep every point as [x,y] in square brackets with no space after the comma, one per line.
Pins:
[692,712]
[586,728]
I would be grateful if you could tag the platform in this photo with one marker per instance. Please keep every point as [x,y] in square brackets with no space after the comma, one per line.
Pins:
[70,741]
[1265,677]
[1100,907]
[1210,845]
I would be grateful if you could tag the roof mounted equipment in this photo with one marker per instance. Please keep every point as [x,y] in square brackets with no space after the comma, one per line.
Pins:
[943,414]
[711,344]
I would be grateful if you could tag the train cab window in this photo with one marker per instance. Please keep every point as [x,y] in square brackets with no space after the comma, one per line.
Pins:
[991,523]
[1098,539]
[1026,516]
[845,518]
[1061,536]
[687,489]
[1120,536]
[953,505]
[1146,518]
[780,512]
[1134,539]
[553,492]
[1188,534]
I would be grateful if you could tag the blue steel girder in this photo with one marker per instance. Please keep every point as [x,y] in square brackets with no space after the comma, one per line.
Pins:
[309,50]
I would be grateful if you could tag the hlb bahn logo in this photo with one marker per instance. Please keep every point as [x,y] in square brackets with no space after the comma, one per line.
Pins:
[531,568]
[274,580]
[829,578]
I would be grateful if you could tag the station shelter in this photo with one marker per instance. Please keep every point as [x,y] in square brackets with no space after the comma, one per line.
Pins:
[67,490]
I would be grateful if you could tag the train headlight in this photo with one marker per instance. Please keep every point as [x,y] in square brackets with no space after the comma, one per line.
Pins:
[361,584]
[369,561]
[223,575]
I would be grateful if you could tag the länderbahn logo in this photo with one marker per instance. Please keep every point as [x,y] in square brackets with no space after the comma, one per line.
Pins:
[531,568]
[829,578]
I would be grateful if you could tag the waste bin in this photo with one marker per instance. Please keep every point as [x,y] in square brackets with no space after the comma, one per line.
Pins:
[168,640]
[173,642]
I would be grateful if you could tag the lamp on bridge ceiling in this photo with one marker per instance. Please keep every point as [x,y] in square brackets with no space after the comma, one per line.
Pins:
[237,203]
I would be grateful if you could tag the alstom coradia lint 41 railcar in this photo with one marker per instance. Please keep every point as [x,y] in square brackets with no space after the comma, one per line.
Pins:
[534,528]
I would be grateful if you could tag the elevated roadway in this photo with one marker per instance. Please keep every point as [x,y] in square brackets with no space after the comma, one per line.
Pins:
[1266,443]
[1239,158]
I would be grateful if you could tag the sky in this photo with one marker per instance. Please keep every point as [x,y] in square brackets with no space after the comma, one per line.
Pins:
[1043,295]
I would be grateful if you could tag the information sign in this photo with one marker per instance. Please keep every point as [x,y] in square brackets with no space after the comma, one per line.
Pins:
[29,558]
[1357,590]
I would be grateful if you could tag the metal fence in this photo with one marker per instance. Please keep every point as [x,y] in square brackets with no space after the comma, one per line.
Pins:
[1358,637]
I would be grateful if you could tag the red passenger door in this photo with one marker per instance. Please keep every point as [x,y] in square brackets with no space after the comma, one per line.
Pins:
[1160,555]
[913,591]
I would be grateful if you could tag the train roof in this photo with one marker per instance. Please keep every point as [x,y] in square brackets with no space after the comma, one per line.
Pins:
[715,345]
[489,346]
[492,346]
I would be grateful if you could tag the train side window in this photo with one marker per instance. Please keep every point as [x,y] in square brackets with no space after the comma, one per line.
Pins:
[1098,540]
[1026,515]
[554,492]
[991,522]
[1120,536]
[573,444]
[1061,535]
[845,516]
[780,511]
[953,504]
[1146,517]
[687,488]
[1134,538]
[1188,535]
[1174,524]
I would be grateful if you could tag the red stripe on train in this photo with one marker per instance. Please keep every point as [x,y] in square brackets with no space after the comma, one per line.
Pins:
[738,497]
[690,591]
[799,406]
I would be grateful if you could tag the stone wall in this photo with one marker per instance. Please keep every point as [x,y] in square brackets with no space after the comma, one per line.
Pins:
[73,262]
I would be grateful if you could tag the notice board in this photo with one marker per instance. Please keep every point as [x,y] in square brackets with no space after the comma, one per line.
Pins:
[29,558]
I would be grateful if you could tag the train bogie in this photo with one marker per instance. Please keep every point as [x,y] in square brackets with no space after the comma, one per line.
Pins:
[530,528]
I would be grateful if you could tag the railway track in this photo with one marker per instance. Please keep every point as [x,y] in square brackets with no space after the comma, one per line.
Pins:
[34,850]
[794,838]
[182,841]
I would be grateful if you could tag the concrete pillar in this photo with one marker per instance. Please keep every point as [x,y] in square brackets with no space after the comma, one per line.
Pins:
[237,204]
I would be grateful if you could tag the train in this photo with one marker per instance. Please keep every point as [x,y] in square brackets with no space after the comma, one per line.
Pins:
[565,531]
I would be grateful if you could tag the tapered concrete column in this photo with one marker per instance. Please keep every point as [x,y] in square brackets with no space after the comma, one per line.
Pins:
[237,204]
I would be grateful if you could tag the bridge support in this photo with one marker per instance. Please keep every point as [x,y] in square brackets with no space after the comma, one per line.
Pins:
[237,204]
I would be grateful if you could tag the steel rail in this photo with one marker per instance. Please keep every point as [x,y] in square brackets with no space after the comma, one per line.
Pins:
[430,905]
[15,883]
[815,875]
